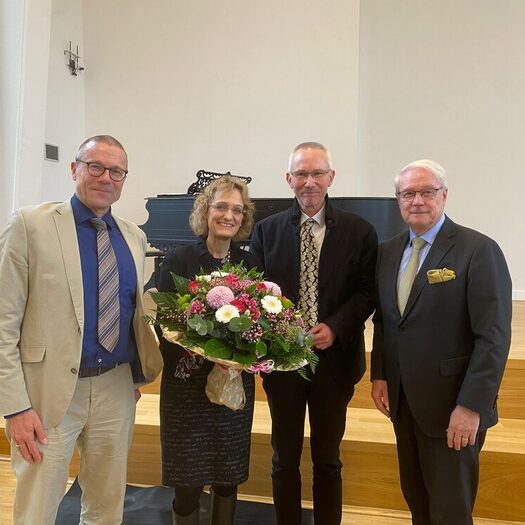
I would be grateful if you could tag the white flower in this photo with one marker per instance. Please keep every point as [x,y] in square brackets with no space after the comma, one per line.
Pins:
[203,278]
[218,273]
[272,304]
[225,313]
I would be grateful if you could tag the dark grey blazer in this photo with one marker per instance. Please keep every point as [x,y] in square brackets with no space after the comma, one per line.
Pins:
[451,344]
[346,277]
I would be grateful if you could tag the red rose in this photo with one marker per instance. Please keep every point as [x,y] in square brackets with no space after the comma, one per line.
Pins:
[239,305]
[193,287]
[231,280]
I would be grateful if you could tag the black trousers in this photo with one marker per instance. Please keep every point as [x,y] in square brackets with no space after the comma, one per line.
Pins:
[439,483]
[288,395]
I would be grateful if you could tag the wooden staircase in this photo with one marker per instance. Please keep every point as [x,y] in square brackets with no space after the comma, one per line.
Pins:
[368,452]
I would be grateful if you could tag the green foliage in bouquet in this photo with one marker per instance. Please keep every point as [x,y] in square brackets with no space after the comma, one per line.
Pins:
[236,317]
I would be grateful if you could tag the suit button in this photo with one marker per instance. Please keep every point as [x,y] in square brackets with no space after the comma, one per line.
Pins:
[74,371]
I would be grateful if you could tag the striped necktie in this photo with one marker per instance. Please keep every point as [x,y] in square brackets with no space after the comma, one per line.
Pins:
[309,277]
[407,277]
[108,288]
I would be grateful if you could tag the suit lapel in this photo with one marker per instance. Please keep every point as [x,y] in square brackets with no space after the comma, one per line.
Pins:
[134,248]
[67,234]
[442,244]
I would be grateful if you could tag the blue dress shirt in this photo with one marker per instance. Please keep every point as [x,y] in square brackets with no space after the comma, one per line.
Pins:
[93,353]
[429,236]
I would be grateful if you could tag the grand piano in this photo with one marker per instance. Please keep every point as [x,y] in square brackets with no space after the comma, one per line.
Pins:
[168,215]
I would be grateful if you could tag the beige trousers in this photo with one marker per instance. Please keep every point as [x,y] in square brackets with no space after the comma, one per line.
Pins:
[100,422]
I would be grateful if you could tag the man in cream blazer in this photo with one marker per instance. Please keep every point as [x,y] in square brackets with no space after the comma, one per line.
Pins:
[58,385]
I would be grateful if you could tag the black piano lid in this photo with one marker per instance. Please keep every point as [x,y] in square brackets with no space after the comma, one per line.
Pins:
[168,221]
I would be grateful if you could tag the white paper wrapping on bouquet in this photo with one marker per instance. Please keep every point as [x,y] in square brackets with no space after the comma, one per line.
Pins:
[178,338]
[225,387]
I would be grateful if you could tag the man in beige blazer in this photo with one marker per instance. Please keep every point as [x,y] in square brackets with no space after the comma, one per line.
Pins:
[59,385]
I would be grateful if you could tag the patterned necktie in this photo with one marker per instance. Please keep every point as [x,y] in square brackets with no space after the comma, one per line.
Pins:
[407,277]
[308,280]
[108,288]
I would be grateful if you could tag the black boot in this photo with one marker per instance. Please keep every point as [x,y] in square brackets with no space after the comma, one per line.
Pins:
[222,509]
[192,519]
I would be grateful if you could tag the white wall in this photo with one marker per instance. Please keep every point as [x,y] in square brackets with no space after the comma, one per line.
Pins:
[40,101]
[27,28]
[233,85]
[445,80]
[230,85]
[65,122]
[11,25]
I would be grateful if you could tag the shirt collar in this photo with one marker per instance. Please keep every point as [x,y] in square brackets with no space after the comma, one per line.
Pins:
[82,213]
[318,217]
[430,235]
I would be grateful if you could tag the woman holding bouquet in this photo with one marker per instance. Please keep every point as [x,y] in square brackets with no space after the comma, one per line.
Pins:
[204,443]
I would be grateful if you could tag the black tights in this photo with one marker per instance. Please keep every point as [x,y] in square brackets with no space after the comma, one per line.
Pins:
[187,497]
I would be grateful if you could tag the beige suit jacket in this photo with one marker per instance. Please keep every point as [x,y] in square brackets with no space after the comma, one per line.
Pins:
[42,310]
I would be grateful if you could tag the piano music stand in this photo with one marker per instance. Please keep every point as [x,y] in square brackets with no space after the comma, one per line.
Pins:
[205,177]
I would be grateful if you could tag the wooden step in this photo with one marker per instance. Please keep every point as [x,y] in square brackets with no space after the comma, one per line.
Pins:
[510,402]
[368,453]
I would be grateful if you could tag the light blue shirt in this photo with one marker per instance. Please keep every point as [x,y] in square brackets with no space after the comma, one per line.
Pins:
[429,236]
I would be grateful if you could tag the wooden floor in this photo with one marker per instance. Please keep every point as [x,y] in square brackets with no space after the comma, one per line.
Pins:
[367,434]
[351,516]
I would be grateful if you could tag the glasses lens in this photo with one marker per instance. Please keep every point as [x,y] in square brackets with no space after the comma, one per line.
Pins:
[95,169]
[116,174]
[407,195]
[428,194]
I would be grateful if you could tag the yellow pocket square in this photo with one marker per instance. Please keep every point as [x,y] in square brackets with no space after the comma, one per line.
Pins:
[440,275]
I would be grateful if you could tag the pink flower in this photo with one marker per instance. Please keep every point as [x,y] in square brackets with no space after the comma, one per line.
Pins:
[219,296]
[244,284]
[255,313]
[196,307]
[265,366]
[272,287]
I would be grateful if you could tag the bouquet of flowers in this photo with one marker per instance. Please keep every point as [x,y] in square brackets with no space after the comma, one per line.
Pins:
[237,319]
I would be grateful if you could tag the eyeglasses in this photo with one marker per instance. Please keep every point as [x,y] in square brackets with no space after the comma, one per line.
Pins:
[426,195]
[97,170]
[302,176]
[224,208]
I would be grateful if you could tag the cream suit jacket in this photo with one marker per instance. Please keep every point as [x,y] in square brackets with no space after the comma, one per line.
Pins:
[42,310]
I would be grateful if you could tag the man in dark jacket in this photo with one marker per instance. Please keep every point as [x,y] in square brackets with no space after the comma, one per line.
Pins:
[441,340]
[323,258]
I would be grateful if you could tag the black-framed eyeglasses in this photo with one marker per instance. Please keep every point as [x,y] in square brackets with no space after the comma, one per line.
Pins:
[223,208]
[427,195]
[302,176]
[97,170]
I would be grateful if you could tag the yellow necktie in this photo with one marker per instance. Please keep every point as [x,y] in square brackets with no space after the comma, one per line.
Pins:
[309,277]
[407,277]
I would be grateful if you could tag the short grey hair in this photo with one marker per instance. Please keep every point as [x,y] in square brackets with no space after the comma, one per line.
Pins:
[99,139]
[428,165]
[309,145]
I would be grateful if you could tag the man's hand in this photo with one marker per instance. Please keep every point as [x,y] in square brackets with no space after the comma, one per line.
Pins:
[462,428]
[380,396]
[324,336]
[23,429]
